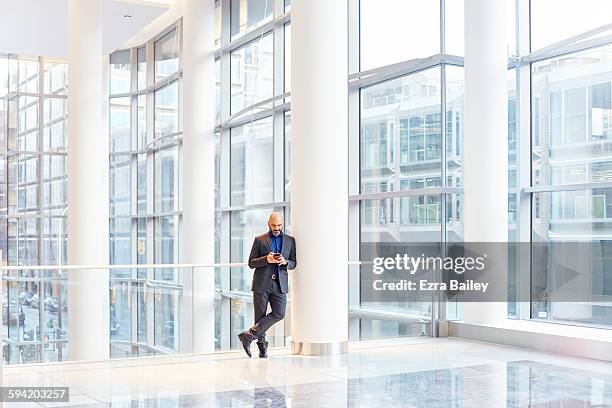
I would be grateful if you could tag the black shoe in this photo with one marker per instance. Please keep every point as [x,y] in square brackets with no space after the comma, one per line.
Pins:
[246,339]
[263,349]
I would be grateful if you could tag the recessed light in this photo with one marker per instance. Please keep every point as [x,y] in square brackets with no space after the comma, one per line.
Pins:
[127,16]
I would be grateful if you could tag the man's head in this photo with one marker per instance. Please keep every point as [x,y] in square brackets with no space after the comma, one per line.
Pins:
[275,222]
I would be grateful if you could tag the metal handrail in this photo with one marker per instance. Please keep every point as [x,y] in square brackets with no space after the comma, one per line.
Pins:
[128,266]
[134,266]
[567,187]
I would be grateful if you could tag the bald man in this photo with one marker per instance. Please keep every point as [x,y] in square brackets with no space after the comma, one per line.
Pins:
[272,254]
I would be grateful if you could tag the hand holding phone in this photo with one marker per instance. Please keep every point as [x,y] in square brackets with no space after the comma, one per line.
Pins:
[273,257]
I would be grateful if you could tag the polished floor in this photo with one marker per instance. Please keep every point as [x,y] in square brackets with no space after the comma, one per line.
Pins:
[399,373]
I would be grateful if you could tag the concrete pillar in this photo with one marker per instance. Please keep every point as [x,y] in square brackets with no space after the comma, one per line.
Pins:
[88,184]
[198,187]
[319,192]
[486,141]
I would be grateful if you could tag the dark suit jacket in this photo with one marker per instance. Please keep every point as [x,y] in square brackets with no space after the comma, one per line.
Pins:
[263,270]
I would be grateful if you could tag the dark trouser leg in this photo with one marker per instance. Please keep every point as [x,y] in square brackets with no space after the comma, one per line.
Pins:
[278,303]
[260,306]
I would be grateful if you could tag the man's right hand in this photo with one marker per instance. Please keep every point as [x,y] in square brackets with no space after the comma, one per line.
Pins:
[271,259]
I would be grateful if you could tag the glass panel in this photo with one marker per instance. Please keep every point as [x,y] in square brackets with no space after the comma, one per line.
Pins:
[27,241]
[454,218]
[13,316]
[397,221]
[512,158]
[166,110]
[572,216]
[166,247]
[119,124]
[400,133]
[288,57]
[386,24]
[252,163]
[141,246]
[572,103]
[218,19]
[120,76]
[55,124]
[13,68]
[247,14]
[166,180]
[3,193]
[23,180]
[120,245]
[27,136]
[22,321]
[55,318]
[141,296]
[142,68]
[55,178]
[454,125]
[553,21]
[54,241]
[3,124]
[166,305]
[142,121]
[28,75]
[217,141]
[141,194]
[56,78]
[571,112]
[120,182]
[166,55]
[4,75]
[287,156]
[120,313]
[251,73]
[218,91]
[12,119]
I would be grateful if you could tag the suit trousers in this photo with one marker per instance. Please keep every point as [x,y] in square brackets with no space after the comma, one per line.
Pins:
[278,303]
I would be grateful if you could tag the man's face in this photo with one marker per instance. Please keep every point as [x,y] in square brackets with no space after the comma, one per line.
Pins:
[276,225]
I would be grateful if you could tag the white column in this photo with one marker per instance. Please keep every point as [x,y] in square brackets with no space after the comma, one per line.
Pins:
[88,184]
[198,188]
[486,140]
[319,192]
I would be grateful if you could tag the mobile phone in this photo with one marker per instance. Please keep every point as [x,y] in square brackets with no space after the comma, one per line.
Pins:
[276,254]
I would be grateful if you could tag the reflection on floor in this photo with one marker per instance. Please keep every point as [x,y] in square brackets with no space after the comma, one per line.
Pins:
[431,373]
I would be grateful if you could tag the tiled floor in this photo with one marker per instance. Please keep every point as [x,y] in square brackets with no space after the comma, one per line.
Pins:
[411,373]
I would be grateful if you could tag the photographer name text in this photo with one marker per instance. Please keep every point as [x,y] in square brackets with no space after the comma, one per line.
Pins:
[425,285]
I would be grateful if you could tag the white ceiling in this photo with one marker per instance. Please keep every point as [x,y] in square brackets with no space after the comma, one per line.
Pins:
[39,27]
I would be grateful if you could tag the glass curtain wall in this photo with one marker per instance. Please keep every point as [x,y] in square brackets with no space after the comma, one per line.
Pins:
[145,210]
[252,151]
[33,136]
[570,68]
[406,184]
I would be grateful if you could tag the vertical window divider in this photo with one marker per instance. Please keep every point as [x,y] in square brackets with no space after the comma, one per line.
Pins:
[523,158]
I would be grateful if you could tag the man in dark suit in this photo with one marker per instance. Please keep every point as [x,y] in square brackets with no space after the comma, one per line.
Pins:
[272,254]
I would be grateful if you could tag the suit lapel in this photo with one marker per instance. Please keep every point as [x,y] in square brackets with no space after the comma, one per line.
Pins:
[269,241]
[284,244]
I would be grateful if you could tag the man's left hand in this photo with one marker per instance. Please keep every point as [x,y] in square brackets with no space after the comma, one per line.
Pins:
[282,260]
